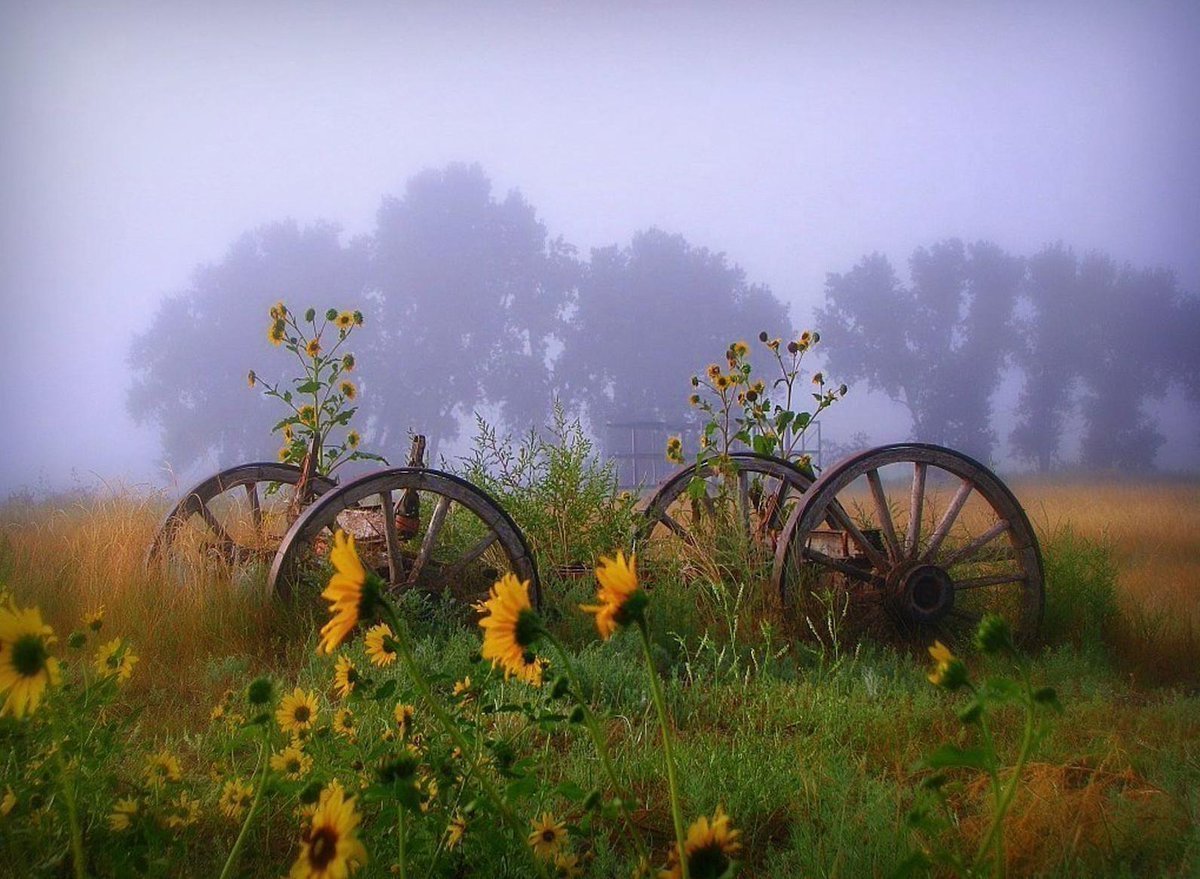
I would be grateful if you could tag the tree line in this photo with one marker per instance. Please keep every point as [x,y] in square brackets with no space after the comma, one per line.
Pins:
[470,302]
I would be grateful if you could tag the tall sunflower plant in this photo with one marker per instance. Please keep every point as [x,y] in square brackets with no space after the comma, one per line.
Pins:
[321,399]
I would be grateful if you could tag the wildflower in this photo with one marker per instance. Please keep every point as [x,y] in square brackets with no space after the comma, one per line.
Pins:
[353,439]
[806,339]
[344,320]
[348,390]
[993,634]
[774,344]
[348,363]
[8,802]
[297,711]
[260,692]
[121,817]
[548,836]
[331,314]
[694,400]
[741,349]
[345,676]
[218,713]
[351,593]
[404,718]
[343,723]
[722,381]
[292,762]
[818,378]
[567,865]
[358,318]
[621,599]
[235,798]
[94,619]
[26,666]
[313,348]
[709,849]
[162,767]
[510,630]
[455,830]
[277,331]
[675,449]
[288,433]
[251,378]
[329,846]
[949,672]
[380,644]
[183,811]
[307,415]
[712,371]
[284,453]
[463,687]
[115,658]
[277,310]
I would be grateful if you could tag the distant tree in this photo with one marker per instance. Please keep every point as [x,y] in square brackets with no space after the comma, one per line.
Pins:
[936,345]
[190,365]
[648,317]
[470,296]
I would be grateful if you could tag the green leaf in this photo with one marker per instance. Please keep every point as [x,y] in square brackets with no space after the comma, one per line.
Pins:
[309,387]
[952,756]
[384,690]
[571,791]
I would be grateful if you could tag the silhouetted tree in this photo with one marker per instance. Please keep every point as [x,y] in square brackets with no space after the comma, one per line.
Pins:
[470,299]
[651,315]
[190,365]
[937,345]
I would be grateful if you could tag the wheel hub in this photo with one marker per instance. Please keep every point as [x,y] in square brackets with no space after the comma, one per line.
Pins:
[921,593]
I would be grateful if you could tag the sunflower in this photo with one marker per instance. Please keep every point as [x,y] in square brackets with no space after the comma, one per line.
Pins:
[313,348]
[8,802]
[548,836]
[566,866]
[351,593]
[348,363]
[251,378]
[510,630]
[709,849]
[343,723]
[26,666]
[329,846]
[455,830]
[277,331]
[292,762]
[344,320]
[722,382]
[94,619]
[121,817]
[712,371]
[183,811]
[741,349]
[307,415]
[235,798]
[115,658]
[621,599]
[948,671]
[463,687]
[345,676]
[348,390]
[379,643]
[404,718]
[675,449]
[162,767]
[353,439]
[297,711]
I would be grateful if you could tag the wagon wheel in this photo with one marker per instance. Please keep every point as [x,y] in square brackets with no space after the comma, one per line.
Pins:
[739,516]
[235,516]
[915,536]
[416,528]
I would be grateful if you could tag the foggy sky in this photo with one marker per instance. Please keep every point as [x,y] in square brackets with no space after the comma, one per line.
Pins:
[137,140]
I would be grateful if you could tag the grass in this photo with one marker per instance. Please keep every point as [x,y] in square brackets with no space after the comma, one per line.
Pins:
[811,747]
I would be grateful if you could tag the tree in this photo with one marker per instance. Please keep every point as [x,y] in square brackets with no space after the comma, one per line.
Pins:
[470,296]
[190,365]
[648,317]
[937,345]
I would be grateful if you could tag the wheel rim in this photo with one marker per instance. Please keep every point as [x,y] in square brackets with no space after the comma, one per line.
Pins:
[917,537]
[458,543]
[740,516]
[232,519]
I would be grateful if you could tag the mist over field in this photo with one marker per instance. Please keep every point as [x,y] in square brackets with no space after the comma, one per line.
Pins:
[590,201]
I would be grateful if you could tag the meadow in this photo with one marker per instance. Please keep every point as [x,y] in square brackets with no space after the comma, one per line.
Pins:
[812,744]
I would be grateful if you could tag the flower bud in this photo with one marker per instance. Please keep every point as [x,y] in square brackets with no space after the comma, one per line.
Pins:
[260,691]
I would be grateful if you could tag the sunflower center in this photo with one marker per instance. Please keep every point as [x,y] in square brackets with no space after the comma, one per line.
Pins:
[301,714]
[29,656]
[528,628]
[708,862]
[548,835]
[293,766]
[323,847]
[113,661]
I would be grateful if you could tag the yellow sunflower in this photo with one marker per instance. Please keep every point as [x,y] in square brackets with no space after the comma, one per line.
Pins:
[344,320]
[183,811]
[115,658]
[162,767]
[350,593]
[329,846]
[710,848]
[949,671]
[236,797]
[292,762]
[298,711]
[348,363]
[313,348]
[621,598]
[455,830]
[741,349]
[277,332]
[510,629]
[548,836]
[380,649]
[675,449]
[567,866]
[94,619]
[121,817]
[353,439]
[463,687]
[343,723]
[404,717]
[348,390]
[345,676]
[307,415]
[26,666]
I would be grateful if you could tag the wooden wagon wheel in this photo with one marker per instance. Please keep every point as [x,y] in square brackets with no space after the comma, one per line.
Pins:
[743,509]
[237,515]
[417,528]
[918,536]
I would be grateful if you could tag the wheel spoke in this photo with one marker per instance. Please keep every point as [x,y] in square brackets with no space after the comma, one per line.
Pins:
[841,566]
[884,514]
[913,537]
[475,551]
[964,553]
[868,549]
[430,540]
[227,543]
[679,531]
[743,499]
[395,560]
[993,580]
[255,507]
[944,526]
[965,615]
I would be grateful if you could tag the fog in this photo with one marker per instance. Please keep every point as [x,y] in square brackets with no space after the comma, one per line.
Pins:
[139,140]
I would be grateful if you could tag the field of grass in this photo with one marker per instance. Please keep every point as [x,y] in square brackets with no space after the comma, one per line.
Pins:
[811,746]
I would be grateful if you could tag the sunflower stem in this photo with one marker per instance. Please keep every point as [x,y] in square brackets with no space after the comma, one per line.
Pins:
[599,740]
[68,792]
[261,772]
[400,841]
[668,751]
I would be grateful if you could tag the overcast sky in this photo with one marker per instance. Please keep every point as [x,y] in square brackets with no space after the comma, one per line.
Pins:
[137,140]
